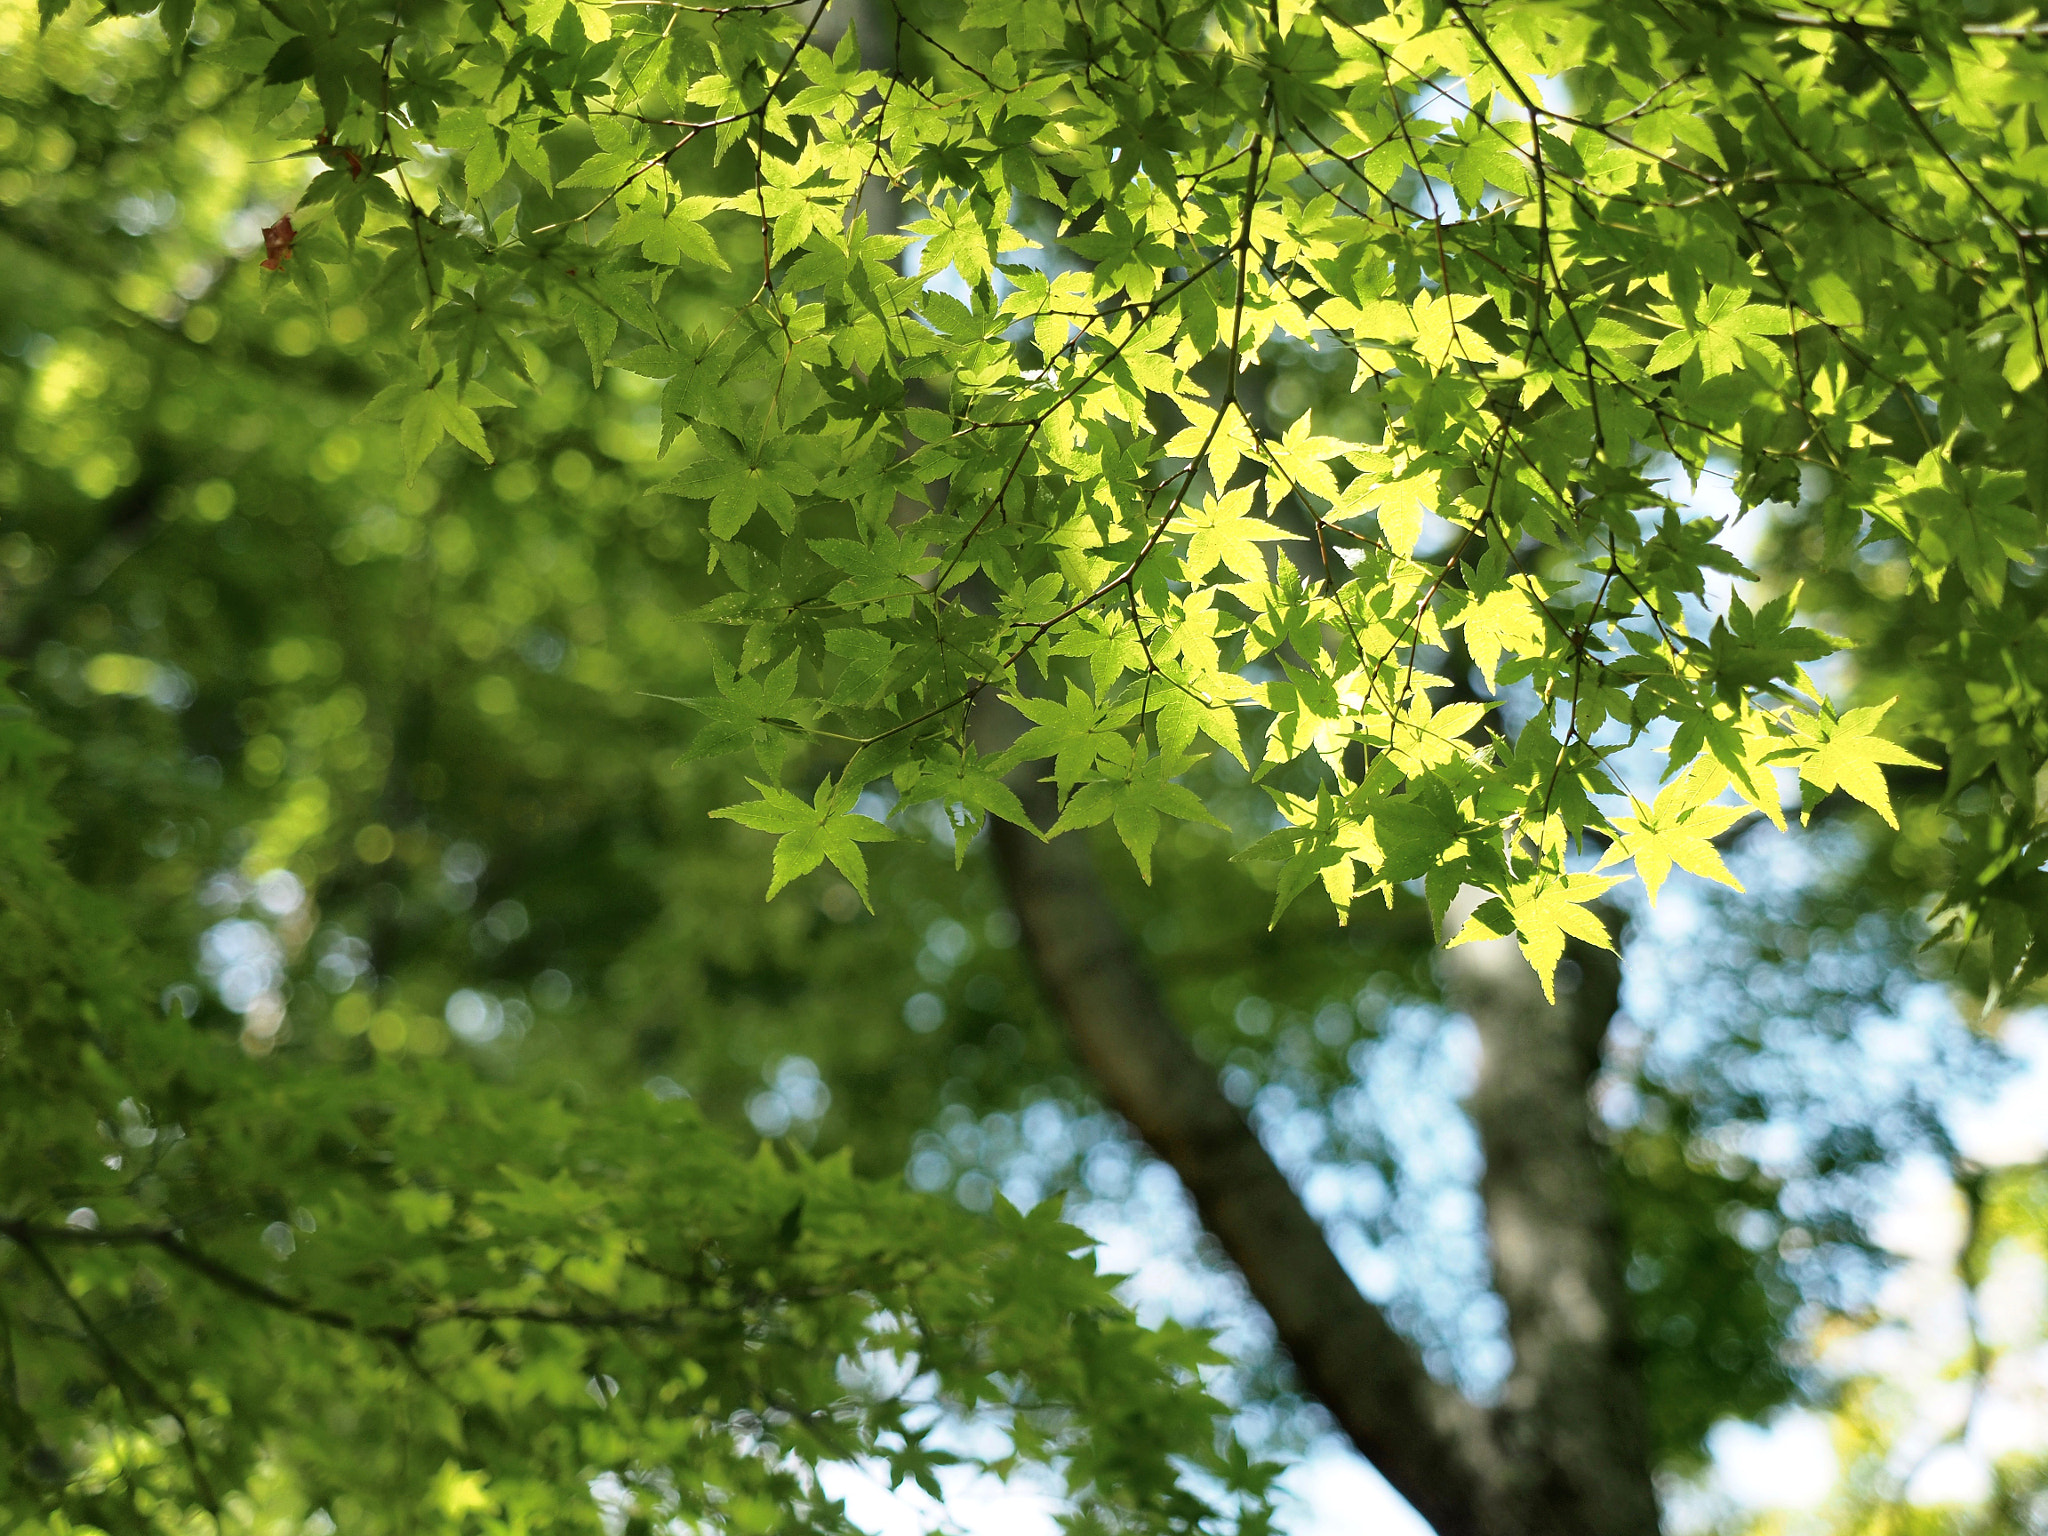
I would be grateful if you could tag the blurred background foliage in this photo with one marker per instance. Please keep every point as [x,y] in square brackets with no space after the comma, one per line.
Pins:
[385,773]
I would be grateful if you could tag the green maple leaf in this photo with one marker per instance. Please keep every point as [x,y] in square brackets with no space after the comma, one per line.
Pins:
[1850,758]
[810,834]
[1674,834]
[438,413]
[973,791]
[1971,518]
[408,378]
[867,655]
[1302,459]
[666,236]
[1991,528]
[1438,334]
[1717,332]
[748,711]
[1400,503]
[1412,833]
[954,237]
[1074,734]
[1223,529]
[887,565]
[1541,913]
[597,327]
[1136,804]
[1751,650]
[1185,713]
[429,403]
[1488,160]
[1504,616]
[739,479]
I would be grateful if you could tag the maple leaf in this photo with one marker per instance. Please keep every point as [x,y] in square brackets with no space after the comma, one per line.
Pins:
[1439,336]
[1541,912]
[738,479]
[1302,460]
[971,791]
[1965,517]
[1673,833]
[888,564]
[440,412]
[954,237]
[1223,529]
[665,236]
[277,243]
[429,402]
[1399,496]
[1732,751]
[1749,651]
[1232,438]
[1849,757]
[1185,713]
[1136,804]
[1504,616]
[1074,734]
[810,834]
[1718,331]
[749,711]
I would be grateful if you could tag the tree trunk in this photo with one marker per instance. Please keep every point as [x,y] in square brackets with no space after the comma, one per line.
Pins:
[1571,1427]
[1565,1452]
[1419,1434]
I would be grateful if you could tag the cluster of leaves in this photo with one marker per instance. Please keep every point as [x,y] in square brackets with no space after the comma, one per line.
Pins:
[419,1293]
[1731,243]
[272,653]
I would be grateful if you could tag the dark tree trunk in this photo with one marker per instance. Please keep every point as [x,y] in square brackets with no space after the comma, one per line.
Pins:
[1420,1435]
[1574,1445]
[1565,1451]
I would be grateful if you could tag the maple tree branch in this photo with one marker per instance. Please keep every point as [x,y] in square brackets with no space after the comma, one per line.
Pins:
[127,1378]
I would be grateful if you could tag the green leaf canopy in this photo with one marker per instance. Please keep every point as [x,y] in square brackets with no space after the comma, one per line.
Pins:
[1566,253]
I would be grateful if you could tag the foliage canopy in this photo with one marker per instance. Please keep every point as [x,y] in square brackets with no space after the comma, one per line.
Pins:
[545,1293]
[1566,254]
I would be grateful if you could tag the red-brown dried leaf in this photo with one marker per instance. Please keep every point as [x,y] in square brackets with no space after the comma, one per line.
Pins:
[277,243]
